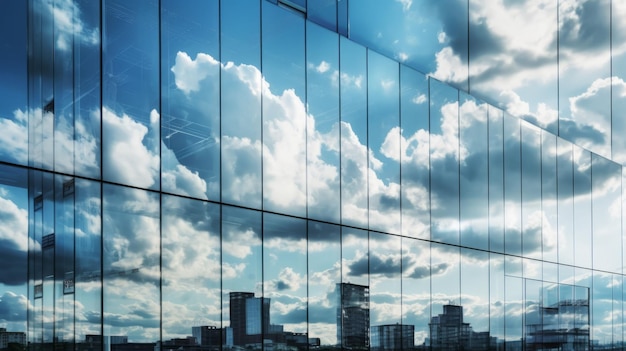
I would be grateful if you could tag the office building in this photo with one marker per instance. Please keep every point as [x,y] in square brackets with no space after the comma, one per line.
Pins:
[392,337]
[166,164]
[353,316]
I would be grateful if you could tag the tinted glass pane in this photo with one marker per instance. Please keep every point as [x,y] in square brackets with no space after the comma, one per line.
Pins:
[496,180]
[416,271]
[383,126]
[88,269]
[414,172]
[532,217]
[190,271]
[582,208]
[242,301]
[323,12]
[130,98]
[566,204]
[324,276]
[354,290]
[14,247]
[241,103]
[284,112]
[190,126]
[606,189]
[354,152]
[446,309]
[322,123]
[549,196]
[512,186]
[13,93]
[131,269]
[444,162]
[285,277]
[474,173]
[475,296]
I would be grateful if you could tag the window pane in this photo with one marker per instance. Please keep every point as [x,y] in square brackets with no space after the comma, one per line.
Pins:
[285,279]
[131,269]
[284,112]
[474,173]
[324,276]
[14,91]
[383,135]
[323,195]
[242,264]
[354,166]
[241,102]
[190,70]
[190,270]
[444,162]
[130,93]
[414,170]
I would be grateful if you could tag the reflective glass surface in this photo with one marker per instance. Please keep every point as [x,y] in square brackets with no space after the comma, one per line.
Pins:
[312,175]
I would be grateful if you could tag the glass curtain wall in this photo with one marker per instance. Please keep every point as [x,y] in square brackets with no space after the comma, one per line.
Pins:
[227,175]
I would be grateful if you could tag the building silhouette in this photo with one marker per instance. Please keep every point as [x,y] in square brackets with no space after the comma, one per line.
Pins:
[249,318]
[390,337]
[448,331]
[353,315]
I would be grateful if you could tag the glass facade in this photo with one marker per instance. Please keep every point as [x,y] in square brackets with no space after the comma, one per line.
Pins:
[325,174]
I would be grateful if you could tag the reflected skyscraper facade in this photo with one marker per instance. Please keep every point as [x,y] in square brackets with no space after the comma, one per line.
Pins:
[300,174]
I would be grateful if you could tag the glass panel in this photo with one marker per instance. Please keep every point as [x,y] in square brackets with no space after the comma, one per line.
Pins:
[474,173]
[64,266]
[414,171]
[532,216]
[190,125]
[284,112]
[565,189]
[322,123]
[549,200]
[385,269]
[475,299]
[87,89]
[285,280]
[444,162]
[383,135]
[354,151]
[324,276]
[416,272]
[582,208]
[191,274]
[512,186]
[130,93]
[242,258]
[606,212]
[513,312]
[14,90]
[323,12]
[131,268]
[354,315]
[585,74]
[496,180]
[40,85]
[446,322]
[63,94]
[496,300]
[15,245]
[88,269]
[240,88]
[602,310]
